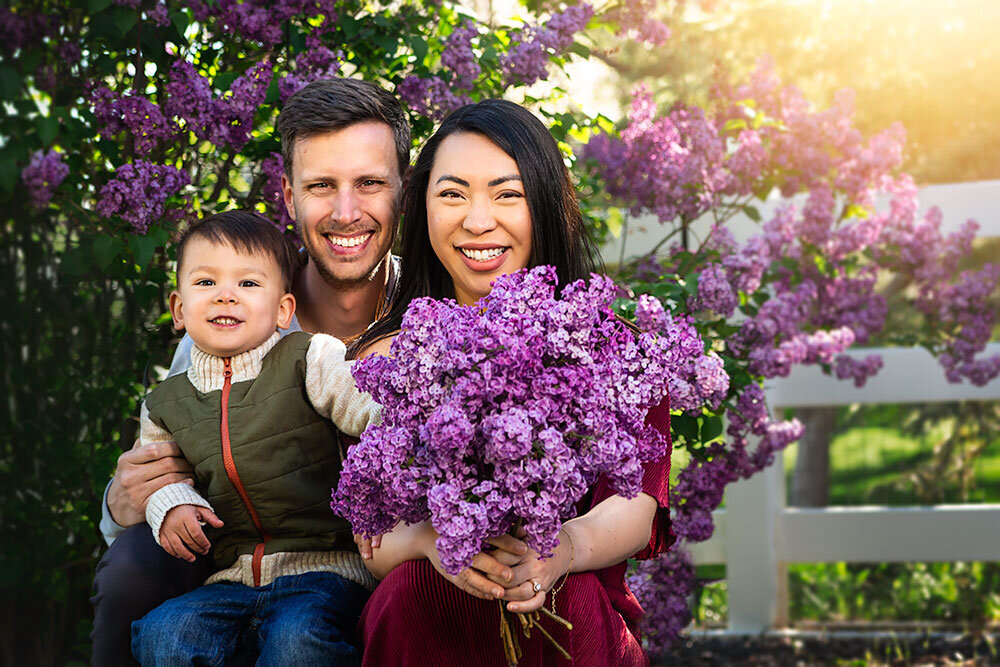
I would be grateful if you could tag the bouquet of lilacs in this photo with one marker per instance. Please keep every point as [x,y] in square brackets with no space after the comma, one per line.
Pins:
[500,415]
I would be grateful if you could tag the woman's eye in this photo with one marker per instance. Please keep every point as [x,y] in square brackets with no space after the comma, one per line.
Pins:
[451,194]
[510,194]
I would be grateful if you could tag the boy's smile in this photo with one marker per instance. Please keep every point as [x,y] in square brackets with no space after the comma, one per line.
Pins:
[228,300]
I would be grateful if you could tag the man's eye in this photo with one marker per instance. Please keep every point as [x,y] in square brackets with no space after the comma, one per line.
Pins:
[249,283]
[318,186]
[371,183]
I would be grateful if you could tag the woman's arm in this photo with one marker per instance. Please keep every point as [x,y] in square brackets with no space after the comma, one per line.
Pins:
[610,532]
[417,541]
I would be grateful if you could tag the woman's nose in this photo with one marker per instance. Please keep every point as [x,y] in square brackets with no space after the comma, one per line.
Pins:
[479,218]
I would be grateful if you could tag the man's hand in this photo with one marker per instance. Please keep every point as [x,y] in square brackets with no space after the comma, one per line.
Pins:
[141,471]
[181,531]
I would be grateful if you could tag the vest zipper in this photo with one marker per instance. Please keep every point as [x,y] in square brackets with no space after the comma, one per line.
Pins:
[234,476]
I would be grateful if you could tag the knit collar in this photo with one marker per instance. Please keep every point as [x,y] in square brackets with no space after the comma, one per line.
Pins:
[206,372]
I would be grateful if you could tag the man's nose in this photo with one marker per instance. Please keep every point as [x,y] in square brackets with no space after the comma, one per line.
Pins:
[479,217]
[348,207]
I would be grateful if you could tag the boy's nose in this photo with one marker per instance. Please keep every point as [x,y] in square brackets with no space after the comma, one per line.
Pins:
[225,296]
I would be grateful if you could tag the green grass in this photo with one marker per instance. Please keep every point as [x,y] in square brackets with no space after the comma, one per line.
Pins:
[868,465]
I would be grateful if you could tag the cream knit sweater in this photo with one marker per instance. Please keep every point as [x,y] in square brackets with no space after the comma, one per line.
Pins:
[332,392]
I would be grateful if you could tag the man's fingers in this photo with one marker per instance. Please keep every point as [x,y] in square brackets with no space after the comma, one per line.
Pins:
[476,584]
[510,544]
[151,451]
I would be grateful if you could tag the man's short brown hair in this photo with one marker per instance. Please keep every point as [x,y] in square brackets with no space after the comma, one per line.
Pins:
[249,232]
[329,105]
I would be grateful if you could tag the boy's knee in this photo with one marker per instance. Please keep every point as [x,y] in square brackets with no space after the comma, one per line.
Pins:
[307,641]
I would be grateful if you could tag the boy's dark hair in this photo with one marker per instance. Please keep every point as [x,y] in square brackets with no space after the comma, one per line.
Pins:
[249,232]
[329,105]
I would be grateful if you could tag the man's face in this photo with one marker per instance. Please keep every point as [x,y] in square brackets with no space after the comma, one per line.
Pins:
[344,195]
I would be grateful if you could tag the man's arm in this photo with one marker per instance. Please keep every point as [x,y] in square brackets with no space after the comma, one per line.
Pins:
[144,469]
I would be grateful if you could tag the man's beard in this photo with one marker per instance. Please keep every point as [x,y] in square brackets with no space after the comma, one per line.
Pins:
[346,283]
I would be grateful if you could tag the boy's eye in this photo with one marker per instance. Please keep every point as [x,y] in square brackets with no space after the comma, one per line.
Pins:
[249,283]
[205,282]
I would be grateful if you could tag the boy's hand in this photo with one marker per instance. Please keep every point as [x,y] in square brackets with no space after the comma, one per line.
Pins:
[181,531]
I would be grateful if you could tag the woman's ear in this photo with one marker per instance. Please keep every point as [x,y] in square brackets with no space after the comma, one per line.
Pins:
[286,309]
[177,310]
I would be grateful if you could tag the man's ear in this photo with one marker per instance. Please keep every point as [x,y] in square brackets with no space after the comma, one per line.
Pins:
[286,308]
[286,192]
[177,310]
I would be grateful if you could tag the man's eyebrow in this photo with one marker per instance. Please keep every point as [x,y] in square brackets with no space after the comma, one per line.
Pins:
[504,179]
[456,179]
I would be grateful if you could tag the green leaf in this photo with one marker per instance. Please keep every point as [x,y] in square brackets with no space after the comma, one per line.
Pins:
[580,50]
[146,294]
[350,26]
[734,124]
[10,82]
[106,250]
[711,428]
[419,46]
[685,426]
[181,22]
[615,221]
[8,172]
[125,19]
[142,248]
[96,6]
[224,80]
[752,213]
[48,128]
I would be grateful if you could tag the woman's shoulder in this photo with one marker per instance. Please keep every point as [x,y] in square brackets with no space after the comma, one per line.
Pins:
[380,346]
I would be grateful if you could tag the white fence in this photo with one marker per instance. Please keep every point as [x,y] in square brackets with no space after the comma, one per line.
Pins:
[757,535]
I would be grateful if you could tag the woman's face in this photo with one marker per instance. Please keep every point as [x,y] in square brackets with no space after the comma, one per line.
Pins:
[477,214]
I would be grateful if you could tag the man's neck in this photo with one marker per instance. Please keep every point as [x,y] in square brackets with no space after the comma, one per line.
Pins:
[343,311]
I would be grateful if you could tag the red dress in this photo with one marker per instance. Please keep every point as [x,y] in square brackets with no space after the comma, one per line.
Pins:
[417,617]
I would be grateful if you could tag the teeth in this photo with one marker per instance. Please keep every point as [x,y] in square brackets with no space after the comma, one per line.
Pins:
[226,320]
[350,241]
[483,255]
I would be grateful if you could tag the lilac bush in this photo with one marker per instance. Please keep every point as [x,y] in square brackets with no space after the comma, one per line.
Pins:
[809,286]
[503,413]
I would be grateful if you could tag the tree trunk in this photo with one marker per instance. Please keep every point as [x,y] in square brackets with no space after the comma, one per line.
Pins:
[811,484]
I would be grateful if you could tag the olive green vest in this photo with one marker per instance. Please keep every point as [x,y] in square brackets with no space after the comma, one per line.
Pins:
[287,456]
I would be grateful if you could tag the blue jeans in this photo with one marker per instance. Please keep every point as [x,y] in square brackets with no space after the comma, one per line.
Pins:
[305,619]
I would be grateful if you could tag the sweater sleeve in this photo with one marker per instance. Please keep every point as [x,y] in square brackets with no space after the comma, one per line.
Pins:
[331,389]
[172,495]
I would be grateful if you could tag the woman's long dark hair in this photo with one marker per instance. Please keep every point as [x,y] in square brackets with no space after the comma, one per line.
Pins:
[558,237]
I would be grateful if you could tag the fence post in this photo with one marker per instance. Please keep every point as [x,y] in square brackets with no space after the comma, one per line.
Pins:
[756,577]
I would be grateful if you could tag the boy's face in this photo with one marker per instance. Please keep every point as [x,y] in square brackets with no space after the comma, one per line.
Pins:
[229,301]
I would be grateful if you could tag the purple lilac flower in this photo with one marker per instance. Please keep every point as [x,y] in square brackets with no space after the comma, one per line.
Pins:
[315,63]
[273,168]
[714,292]
[664,587]
[139,191]
[143,119]
[43,175]
[458,56]
[504,413]
[431,97]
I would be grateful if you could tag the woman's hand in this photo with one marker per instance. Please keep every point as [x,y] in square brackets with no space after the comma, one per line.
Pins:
[531,569]
[489,573]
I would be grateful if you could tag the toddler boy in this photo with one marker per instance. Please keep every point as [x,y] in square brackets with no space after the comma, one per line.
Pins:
[257,416]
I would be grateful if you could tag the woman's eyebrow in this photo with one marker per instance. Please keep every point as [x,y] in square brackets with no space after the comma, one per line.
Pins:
[455,179]
[504,179]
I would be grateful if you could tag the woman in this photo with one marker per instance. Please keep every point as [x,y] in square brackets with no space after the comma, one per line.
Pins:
[489,195]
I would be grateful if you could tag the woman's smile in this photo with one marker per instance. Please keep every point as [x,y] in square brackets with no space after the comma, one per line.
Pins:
[477,215]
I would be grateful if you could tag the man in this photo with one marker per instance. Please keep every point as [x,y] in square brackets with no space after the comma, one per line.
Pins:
[345,145]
